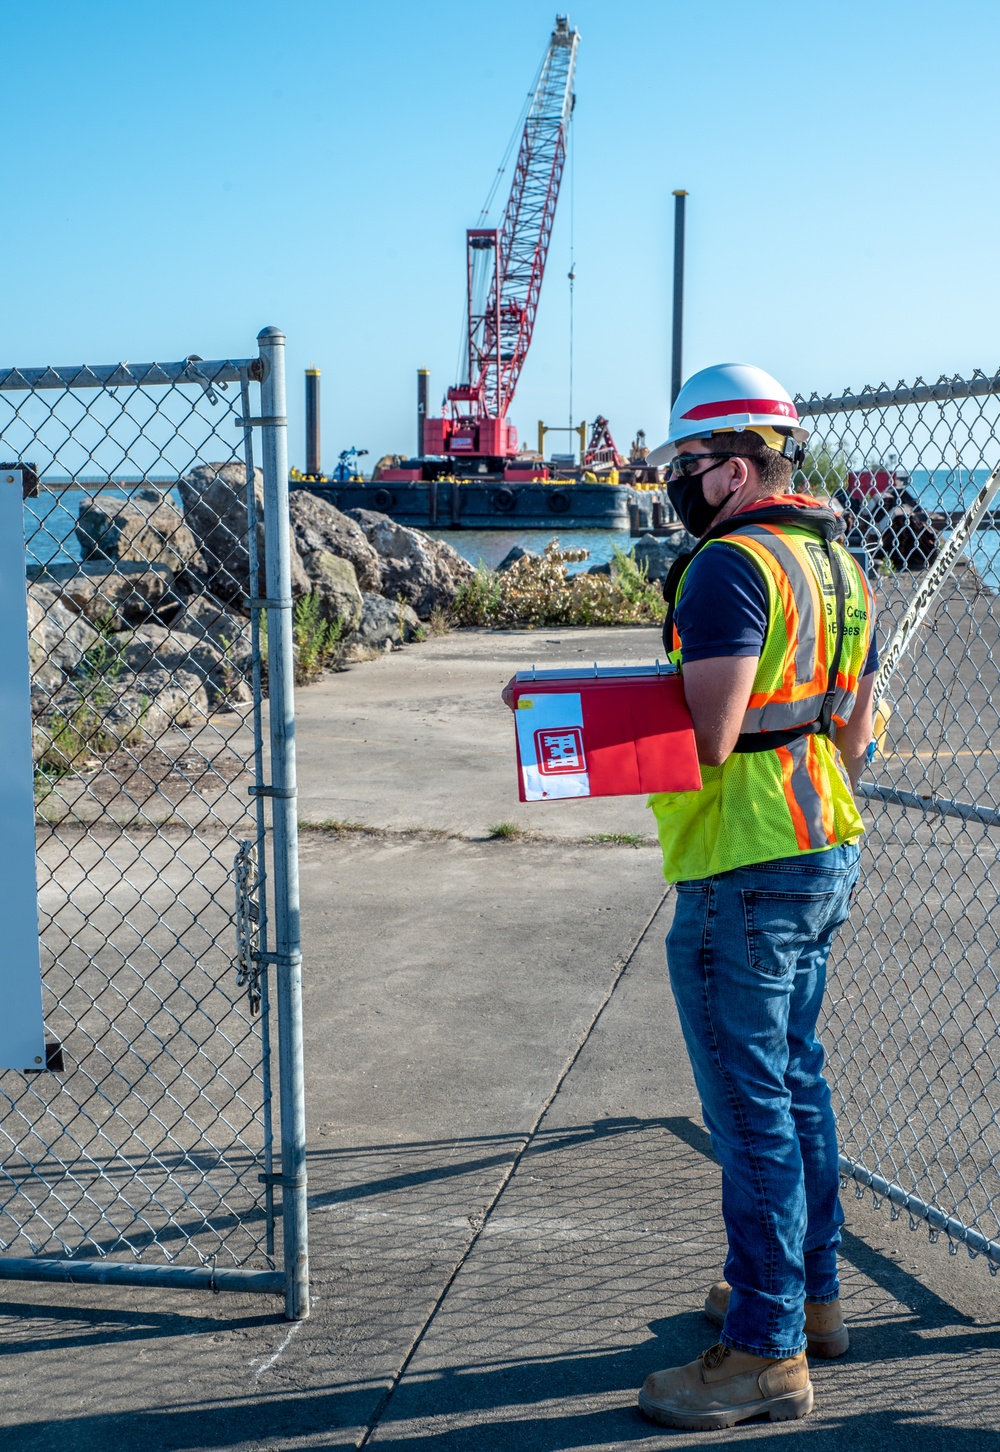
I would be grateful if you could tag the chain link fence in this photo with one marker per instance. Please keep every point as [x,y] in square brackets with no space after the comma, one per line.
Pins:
[144,1149]
[913,1012]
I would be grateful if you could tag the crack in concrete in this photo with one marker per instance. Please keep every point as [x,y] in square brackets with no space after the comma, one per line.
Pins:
[620,970]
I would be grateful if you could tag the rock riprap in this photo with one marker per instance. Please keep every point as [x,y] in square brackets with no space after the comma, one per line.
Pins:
[58,638]
[230,634]
[119,711]
[658,554]
[198,655]
[518,552]
[384,625]
[215,511]
[317,526]
[150,531]
[424,572]
[334,581]
[129,594]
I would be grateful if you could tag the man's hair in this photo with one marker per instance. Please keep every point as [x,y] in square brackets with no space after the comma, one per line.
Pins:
[774,472]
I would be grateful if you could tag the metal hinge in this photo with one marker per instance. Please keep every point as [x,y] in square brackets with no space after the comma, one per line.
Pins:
[266,421]
[272,791]
[280,960]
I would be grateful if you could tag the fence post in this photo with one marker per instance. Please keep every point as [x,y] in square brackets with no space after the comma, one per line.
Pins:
[281,715]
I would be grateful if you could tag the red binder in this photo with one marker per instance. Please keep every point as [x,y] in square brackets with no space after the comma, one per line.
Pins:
[612,731]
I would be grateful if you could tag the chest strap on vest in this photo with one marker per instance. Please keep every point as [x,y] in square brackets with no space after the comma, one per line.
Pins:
[752,741]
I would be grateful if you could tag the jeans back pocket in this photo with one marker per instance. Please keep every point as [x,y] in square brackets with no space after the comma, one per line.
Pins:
[780,924]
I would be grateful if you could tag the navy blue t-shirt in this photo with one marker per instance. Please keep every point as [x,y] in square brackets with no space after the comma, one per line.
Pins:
[723,608]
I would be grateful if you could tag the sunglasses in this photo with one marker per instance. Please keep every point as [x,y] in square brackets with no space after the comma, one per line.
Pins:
[684,466]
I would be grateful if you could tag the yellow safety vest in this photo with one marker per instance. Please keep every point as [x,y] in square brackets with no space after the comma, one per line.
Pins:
[795,797]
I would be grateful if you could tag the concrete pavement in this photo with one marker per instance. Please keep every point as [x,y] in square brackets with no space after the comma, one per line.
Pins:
[514,1209]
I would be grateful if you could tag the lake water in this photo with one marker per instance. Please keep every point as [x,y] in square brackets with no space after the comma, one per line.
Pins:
[951,489]
[51,537]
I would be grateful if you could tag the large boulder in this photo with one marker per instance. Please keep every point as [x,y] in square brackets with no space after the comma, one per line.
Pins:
[424,572]
[58,638]
[319,525]
[658,554]
[334,581]
[130,594]
[384,625]
[215,511]
[205,619]
[86,717]
[149,531]
[518,552]
[155,647]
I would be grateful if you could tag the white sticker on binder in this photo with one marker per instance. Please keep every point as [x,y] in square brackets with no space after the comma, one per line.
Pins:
[553,751]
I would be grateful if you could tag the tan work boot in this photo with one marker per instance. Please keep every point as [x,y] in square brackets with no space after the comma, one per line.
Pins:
[724,1387]
[826,1334]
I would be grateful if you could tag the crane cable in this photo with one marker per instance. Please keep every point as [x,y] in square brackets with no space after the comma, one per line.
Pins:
[513,143]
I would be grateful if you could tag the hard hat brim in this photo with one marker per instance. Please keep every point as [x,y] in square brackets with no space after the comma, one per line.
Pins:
[737,423]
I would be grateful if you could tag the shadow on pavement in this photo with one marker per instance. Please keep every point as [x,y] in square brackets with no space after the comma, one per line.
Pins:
[588,1275]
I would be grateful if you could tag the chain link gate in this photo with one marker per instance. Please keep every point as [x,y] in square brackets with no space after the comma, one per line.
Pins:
[913,1013]
[142,1152]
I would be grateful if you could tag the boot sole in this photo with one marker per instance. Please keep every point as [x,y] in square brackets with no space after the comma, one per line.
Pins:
[824,1346]
[787,1408]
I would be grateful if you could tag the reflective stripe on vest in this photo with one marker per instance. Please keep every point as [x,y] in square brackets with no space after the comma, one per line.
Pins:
[797,565]
[790,683]
[808,804]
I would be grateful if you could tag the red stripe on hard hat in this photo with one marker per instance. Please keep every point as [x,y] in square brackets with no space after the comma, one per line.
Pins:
[774,406]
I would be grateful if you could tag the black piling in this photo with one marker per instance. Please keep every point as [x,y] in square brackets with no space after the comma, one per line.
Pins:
[313,468]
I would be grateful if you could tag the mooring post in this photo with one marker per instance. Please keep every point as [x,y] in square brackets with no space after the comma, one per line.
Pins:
[678,331]
[313,466]
[423,386]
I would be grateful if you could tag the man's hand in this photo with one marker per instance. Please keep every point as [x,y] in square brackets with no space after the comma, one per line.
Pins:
[718,693]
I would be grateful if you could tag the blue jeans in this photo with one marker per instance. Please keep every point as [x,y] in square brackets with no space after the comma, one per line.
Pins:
[747,953]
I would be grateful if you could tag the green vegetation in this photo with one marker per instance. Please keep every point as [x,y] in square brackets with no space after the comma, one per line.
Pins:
[75,736]
[507,832]
[621,839]
[824,469]
[338,828]
[478,600]
[317,642]
[540,592]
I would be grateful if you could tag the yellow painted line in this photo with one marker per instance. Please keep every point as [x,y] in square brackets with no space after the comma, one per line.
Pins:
[926,755]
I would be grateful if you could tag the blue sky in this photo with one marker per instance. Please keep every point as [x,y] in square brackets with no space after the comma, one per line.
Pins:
[178,176]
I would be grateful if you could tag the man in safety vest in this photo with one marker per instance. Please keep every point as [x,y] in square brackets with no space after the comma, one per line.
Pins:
[771,621]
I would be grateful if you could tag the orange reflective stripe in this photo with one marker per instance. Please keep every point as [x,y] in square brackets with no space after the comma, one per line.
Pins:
[795,811]
[815,769]
[782,556]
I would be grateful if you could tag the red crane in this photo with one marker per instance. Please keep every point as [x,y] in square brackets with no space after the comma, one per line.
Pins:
[505,266]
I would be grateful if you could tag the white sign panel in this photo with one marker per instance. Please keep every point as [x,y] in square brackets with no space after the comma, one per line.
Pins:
[22,1040]
[550,742]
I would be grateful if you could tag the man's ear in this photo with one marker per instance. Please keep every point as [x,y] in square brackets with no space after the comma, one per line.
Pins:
[741,476]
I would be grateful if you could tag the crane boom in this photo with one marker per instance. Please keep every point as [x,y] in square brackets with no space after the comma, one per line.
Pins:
[527,223]
[501,319]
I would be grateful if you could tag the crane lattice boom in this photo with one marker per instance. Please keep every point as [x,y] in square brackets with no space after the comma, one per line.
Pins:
[499,330]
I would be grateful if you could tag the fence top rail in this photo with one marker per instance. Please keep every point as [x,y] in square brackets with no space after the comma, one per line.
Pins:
[943,391]
[134,375]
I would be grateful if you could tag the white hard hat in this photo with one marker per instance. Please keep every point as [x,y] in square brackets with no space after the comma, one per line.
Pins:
[729,396]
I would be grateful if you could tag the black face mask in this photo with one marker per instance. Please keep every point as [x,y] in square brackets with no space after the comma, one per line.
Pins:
[693,509]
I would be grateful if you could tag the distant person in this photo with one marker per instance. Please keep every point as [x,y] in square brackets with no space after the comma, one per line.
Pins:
[771,621]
